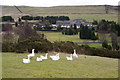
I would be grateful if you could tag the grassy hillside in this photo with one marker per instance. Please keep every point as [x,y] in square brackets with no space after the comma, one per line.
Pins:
[83,67]
[85,12]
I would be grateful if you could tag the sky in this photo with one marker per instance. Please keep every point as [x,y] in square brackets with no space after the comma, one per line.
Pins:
[49,3]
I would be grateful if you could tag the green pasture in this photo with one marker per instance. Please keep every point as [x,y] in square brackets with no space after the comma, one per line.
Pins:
[83,67]
[57,36]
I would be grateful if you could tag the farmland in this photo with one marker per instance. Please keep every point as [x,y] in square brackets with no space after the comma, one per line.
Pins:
[74,12]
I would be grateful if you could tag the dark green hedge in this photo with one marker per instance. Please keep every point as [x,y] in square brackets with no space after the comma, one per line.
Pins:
[43,45]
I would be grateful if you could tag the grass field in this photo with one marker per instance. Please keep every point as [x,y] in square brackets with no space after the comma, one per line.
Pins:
[57,36]
[89,67]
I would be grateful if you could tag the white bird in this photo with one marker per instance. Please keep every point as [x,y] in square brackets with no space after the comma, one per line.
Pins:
[39,59]
[31,55]
[69,58]
[26,60]
[74,54]
[55,57]
[44,57]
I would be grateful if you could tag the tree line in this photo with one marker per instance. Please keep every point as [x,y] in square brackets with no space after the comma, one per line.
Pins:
[51,19]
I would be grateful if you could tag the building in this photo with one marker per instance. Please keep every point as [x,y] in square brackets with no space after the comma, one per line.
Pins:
[76,22]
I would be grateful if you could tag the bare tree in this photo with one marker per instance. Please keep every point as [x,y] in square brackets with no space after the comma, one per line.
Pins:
[25,30]
[114,40]
[106,9]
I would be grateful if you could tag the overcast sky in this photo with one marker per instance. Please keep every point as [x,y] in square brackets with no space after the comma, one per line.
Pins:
[47,3]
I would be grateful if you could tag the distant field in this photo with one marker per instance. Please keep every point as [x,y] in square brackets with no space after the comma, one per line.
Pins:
[74,12]
[89,67]
[57,36]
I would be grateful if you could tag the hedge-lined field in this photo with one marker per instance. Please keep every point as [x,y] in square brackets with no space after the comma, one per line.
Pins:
[74,12]
[83,67]
[57,36]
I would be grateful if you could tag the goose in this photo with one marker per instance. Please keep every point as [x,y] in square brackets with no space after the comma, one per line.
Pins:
[26,60]
[74,54]
[55,58]
[31,55]
[69,58]
[44,57]
[39,59]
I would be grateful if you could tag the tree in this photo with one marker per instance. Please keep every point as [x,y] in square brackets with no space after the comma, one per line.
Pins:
[86,33]
[59,28]
[114,40]
[106,9]
[27,17]
[26,31]
[7,18]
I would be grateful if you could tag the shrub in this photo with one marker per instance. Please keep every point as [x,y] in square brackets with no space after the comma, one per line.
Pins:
[69,31]
[39,44]
[66,47]
[105,44]
[8,47]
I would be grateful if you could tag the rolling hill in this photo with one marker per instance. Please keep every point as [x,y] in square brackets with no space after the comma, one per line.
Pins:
[85,12]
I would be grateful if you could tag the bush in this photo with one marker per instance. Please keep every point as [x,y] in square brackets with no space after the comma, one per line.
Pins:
[66,47]
[109,47]
[101,52]
[8,47]
[69,31]
[105,44]
[39,44]
[59,28]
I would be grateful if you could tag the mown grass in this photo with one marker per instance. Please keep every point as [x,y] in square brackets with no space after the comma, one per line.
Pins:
[83,67]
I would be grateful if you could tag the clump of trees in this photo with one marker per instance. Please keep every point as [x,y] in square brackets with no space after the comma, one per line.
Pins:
[59,28]
[51,19]
[7,19]
[70,31]
[109,26]
[39,44]
[24,30]
[86,33]
[113,29]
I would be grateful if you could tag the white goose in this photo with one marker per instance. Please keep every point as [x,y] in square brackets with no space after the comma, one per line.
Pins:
[69,58]
[26,60]
[31,55]
[55,58]
[39,59]
[44,57]
[74,54]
